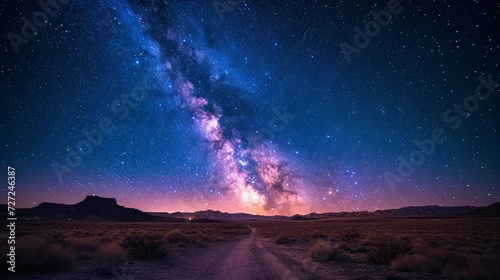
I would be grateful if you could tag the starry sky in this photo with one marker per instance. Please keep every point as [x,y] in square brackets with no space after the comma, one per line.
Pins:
[269,107]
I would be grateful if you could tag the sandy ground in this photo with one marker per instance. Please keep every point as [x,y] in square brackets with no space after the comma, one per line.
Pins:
[252,257]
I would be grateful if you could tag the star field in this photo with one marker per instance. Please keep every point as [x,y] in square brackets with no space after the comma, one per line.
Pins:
[252,106]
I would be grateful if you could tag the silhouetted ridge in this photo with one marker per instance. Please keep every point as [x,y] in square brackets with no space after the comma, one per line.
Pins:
[107,208]
[92,200]
[91,208]
[492,210]
[50,206]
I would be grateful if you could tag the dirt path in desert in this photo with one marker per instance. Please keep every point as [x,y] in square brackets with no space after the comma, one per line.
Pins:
[250,258]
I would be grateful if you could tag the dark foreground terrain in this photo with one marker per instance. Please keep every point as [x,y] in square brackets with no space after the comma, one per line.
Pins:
[336,248]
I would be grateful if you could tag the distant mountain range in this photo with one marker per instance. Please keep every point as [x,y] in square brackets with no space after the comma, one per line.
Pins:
[432,210]
[217,215]
[94,208]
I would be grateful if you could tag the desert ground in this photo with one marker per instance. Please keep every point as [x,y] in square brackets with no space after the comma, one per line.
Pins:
[340,248]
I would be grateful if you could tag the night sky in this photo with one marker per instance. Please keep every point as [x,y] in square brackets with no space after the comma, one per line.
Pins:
[271,107]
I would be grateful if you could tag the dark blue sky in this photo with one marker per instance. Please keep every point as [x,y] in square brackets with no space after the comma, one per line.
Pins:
[186,105]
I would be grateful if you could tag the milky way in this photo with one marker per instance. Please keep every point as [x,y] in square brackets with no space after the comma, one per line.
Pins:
[247,170]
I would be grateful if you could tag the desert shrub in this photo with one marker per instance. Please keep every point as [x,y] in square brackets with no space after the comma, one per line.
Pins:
[362,249]
[415,262]
[346,247]
[59,239]
[85,244]
[282,239]
[368,242]
[105,240]
[475,270]
[144,246]
[388,249]
[176,236]
[350,235]
[37,254]
[110,256]
[432,244]
[318,235]
[84,247]
[198,238]
[323,251]
[449,264]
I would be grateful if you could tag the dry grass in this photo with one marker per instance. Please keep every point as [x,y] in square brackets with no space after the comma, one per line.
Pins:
[144,246]
[109,257]
[322,251]
[319,235]
[198,238]
[416,262]
[456,248]
[60,239]
[105,230]
[451,265]
[84,245]
[35,254]
[461,234]
[282,239]
[474,271]
[176,236]
[434,239]
[350,235]
[389,248]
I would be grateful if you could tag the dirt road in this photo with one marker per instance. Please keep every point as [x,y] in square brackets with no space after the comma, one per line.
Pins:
[251,259]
